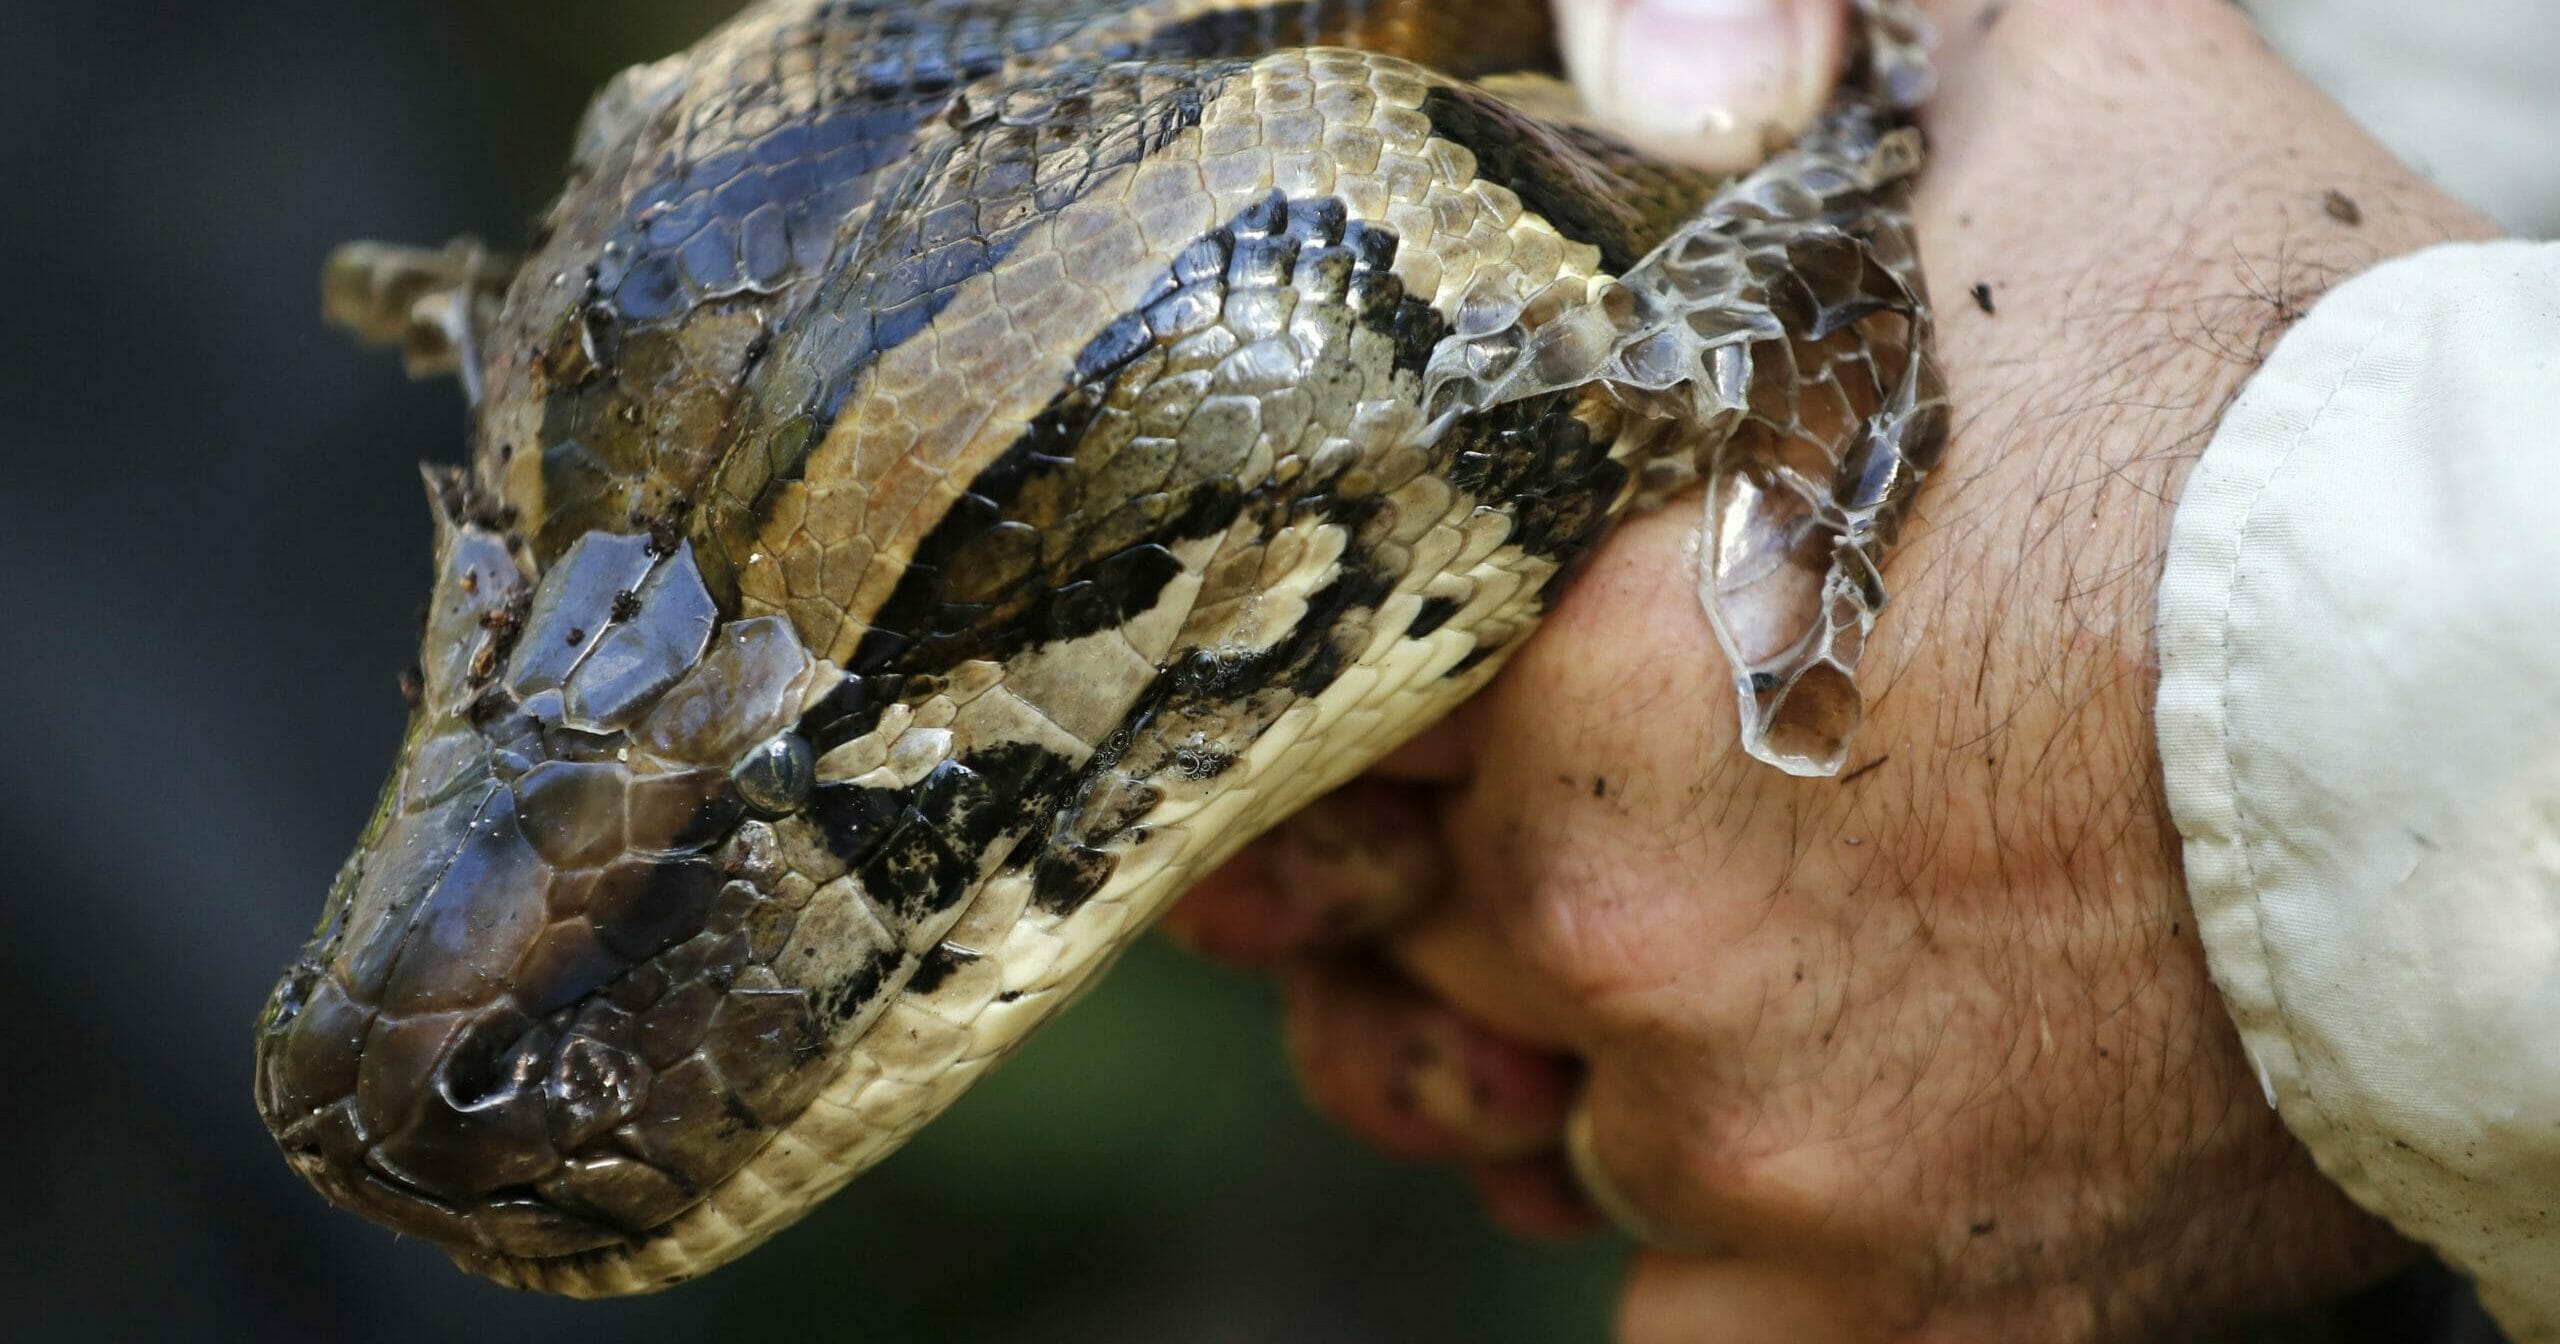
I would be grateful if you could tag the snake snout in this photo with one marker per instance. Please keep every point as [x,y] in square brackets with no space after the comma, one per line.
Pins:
[466,1104]
[436,1069]
[516,1057]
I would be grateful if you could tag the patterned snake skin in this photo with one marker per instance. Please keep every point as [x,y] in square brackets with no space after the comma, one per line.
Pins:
[947,474]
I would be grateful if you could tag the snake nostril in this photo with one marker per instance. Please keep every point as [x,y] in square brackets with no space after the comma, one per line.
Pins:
[496,1059]
[478,1124]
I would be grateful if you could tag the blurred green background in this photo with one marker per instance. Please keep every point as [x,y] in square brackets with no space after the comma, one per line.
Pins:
[213,528]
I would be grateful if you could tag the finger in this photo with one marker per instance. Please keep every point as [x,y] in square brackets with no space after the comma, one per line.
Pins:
[1710,82]
[1534,1197]
[1353,864]
[1239,914]
[1670,1300]
[1651,1160]
[1406,1074]
[1453,950]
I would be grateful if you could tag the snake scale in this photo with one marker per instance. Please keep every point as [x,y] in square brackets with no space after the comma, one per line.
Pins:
[947,473]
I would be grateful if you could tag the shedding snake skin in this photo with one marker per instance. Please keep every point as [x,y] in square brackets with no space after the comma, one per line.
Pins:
[946,474]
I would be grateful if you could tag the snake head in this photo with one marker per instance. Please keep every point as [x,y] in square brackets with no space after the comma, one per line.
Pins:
[540,1016]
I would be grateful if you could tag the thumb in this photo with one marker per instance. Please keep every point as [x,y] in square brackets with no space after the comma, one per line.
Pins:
[1709,82]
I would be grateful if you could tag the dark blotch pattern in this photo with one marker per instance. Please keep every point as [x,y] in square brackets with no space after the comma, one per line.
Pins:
[851,995]
[917,852]
[962,209]
[1534,459]
[850,710]
[937,966]
[1068,532]
[1553,476]
[1435,613]
[702,214]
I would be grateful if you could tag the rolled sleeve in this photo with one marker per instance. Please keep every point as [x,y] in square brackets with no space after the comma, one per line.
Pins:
[2359,720]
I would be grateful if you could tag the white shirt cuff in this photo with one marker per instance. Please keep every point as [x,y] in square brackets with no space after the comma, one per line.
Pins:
[2359,720]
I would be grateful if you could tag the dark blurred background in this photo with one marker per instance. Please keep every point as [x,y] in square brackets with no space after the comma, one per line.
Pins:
[214,539]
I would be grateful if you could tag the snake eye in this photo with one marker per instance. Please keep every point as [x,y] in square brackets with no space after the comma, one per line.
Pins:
[777,776]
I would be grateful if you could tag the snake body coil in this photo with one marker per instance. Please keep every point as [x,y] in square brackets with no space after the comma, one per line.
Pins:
[950,472]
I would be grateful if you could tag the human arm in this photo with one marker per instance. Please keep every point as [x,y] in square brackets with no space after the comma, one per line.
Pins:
[1930,1050]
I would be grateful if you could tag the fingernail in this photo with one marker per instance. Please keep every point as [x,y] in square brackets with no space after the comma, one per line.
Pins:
[1709,81]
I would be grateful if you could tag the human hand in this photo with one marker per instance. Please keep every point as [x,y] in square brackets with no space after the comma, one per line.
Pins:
[1927,1051]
